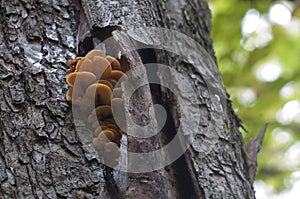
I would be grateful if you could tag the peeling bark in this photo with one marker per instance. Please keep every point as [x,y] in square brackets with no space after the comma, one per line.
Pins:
[41,156]
[41,152]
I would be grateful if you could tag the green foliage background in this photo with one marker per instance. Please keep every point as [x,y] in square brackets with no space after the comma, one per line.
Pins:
[238,66]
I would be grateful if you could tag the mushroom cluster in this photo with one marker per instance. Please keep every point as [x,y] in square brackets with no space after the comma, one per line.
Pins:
[94,81]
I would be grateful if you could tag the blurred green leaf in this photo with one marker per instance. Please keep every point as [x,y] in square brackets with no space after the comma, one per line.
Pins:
[239,67]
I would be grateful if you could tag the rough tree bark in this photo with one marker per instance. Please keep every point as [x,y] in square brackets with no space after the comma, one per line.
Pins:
[41,154]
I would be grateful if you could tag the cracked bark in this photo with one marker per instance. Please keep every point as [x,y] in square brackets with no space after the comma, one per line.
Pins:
[41,154]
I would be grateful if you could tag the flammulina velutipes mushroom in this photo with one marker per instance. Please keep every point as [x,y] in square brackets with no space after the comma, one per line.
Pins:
[94,89]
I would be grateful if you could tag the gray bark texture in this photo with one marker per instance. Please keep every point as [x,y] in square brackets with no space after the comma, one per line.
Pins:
[41,152]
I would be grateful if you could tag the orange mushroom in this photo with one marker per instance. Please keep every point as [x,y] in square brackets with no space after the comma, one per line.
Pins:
[74,61]
[69,94]
[86,105]
[73,69]
[117,75]
[100,129]
[98,144]
[111,153]
[115,64]
[100,113]
[97,65]
[115,130]
[74,93]
[84,79]
[107,134]
[112,81]
[111,149]
[100,92]
[78,64]
[117,93]
[107,83]
[95,124]
[94,53]
[103,67]
[112,163]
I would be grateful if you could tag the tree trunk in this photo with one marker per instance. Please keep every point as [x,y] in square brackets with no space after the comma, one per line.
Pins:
[44,153]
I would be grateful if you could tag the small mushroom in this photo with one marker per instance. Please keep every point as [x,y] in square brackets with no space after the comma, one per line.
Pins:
[112,163]
[107,134]
[84,79]
[116,130]
[78,65]
[74,93]
[69,94]
[100,92]
[98,144]
[95,124]
[100,113]
[118,136]
[100,129]
[118,75]
[94,53]
[103,67]
[112,150]
[86,105]
[112,81]
[115,64]
[97,65]
[109,121]
[74,61]
[117,93]
[73,69]
[107,83]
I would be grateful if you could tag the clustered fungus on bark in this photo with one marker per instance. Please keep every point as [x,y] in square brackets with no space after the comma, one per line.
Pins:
[96,92]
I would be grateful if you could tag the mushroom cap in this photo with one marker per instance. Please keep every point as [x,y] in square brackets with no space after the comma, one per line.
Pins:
[117,93]
[117,134]
[99,144]
[109,121]
[72,69]
[115,64]
[100,92]
[103,67]
[84,79]
[93,53]
[102,123]
[78,65]
[86,105]
[113,127]
[111,152]
[111,148]
[107,134]
[74,93]
[112,81]
[95,124]
[74,61]
[100,113]
[69,94]
[112,163]
[97,65]
[118,75]
[100,129]
[107,83]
